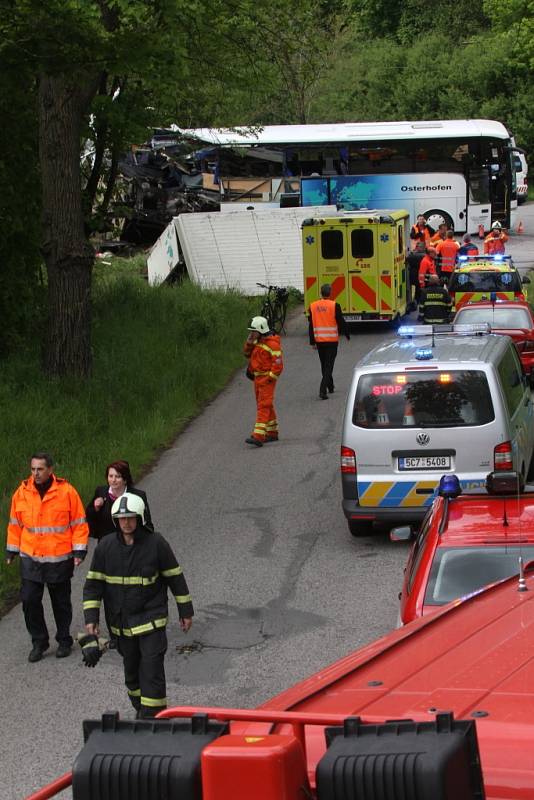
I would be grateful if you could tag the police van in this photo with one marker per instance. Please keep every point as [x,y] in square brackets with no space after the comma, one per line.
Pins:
[362,255]
[438,399]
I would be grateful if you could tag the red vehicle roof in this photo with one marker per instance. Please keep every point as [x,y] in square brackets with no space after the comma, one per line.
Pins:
[481,519]
[474,657]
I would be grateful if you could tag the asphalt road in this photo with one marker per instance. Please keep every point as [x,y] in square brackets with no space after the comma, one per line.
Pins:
[280,587]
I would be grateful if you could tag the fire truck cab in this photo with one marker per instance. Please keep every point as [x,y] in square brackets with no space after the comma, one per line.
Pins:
[362,255]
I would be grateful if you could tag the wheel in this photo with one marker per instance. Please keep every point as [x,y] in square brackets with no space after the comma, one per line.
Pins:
[436,217]
[279,318]
[267,312]
[362,527]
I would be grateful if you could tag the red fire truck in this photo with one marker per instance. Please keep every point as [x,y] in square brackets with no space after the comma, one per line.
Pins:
[442,708]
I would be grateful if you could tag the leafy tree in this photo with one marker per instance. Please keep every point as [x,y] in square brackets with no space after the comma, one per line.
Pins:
[19,206]
[108,69]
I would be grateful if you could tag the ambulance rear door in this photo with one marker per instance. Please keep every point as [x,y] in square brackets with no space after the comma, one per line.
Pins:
[332,259]
[362,253]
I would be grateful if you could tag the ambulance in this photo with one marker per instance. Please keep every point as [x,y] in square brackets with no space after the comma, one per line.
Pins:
[362,255]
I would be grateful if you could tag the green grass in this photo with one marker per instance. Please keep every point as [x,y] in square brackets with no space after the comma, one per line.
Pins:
[159,355]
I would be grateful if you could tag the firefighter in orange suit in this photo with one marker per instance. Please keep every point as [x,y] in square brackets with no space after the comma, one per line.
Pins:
[48,530]
[495,241]
[264,352]
[326,322]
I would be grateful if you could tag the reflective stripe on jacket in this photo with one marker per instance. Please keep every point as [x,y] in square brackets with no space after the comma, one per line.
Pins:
[47,530]
[132,581]
[323,314]
[265,356]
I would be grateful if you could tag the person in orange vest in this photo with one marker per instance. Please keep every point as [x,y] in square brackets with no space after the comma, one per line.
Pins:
[427,266]
[447,251]
[421,232]
[264,352]
[326,322]
[495,241]
[468,248]
[440,235]
[48,530]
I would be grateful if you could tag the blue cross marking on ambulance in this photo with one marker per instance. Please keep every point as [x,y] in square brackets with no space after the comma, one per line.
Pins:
[310,239]
[384,237]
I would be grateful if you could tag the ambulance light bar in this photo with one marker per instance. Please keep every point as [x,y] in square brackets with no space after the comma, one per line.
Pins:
[413,331]
[479,257]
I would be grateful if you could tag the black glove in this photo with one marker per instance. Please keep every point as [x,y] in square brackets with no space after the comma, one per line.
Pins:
[91,652]
[249,374]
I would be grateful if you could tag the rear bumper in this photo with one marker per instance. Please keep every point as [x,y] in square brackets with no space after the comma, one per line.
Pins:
[353,510]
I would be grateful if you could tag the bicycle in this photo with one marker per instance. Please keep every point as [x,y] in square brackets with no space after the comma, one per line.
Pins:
[274,307]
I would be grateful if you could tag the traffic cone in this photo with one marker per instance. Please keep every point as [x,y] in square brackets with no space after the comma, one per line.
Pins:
[382,416]
[481,233]
[408,418]
[520,228]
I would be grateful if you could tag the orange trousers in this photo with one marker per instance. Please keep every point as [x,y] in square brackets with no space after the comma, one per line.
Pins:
[266,426]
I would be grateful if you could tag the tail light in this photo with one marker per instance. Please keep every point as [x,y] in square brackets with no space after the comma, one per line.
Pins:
[502,457]
[348,461]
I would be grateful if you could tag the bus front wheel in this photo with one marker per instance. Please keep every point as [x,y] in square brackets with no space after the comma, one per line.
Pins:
[435,217]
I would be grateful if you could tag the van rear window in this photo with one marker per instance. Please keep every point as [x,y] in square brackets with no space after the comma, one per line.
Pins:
[433,399]
[485,281]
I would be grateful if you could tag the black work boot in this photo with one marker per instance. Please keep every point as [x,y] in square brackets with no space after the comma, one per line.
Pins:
[37,652]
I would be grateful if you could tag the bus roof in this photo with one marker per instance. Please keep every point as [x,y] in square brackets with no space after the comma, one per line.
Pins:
[349,132]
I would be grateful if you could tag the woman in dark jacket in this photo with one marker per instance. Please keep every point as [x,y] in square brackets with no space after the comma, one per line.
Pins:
[98,512]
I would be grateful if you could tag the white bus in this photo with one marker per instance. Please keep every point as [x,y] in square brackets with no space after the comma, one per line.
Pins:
[459,172]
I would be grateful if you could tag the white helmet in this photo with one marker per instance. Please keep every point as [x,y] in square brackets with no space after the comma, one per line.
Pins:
[128,505]
[496,226]
[259,324]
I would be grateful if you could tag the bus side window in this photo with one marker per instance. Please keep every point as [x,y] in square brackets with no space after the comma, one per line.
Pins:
[331,245]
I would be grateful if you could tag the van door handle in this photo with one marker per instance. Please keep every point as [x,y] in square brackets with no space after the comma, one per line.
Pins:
[355,270]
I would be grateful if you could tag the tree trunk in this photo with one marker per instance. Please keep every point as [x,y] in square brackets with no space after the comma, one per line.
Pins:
[67,253]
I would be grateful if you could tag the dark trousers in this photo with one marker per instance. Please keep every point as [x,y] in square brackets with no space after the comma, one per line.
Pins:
[32,605]
[327,356]
[144,671]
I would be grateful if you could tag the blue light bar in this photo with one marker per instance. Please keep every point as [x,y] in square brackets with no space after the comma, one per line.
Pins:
[497,257]
[449,486]
[462,258]
[423,353]
[414,330]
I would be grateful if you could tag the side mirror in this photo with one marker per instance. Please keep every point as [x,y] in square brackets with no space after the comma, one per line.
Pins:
[525,279]
[401,534]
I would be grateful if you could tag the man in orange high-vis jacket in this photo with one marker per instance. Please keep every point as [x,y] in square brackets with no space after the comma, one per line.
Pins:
[48,530]
[264,352]
[326,322]
[421,232]
[427,267]
[447,251]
